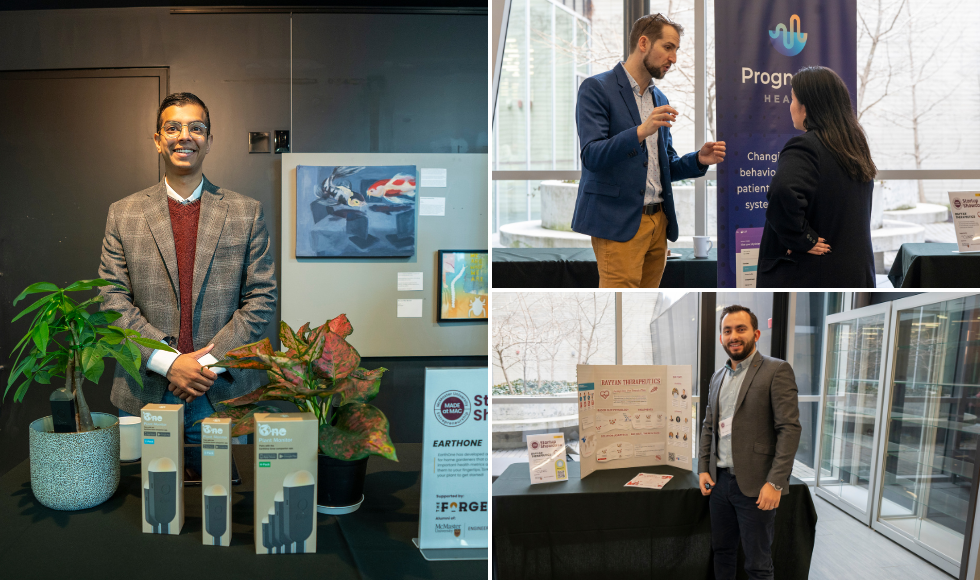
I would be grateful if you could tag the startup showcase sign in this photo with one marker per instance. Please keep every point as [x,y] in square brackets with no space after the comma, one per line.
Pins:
[455,459]
[759,45]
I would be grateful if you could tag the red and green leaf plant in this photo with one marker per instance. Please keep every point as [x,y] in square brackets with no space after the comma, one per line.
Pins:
[66,340]
[318,372]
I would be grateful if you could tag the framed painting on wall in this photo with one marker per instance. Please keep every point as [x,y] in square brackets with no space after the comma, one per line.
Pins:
[464,289]
[355,211]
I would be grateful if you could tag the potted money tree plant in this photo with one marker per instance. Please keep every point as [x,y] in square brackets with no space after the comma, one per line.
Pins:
[319,372]
[75,460]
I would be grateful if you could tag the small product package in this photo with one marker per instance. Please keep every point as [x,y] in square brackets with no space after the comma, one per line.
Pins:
[285,483]
[216,481]
[163,469]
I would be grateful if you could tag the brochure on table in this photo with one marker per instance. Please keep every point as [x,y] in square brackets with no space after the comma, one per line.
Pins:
[965,207]
[455,458]
[634,416]
[546,458]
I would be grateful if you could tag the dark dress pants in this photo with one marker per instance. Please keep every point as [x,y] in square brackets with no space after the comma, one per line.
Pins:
[735,516]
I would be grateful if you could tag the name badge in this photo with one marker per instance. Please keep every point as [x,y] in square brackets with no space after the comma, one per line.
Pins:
[725,427]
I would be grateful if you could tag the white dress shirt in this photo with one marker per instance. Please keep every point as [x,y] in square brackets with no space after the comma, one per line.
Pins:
[644,102]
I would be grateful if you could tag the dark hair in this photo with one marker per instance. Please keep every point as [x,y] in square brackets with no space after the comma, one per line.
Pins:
[737,308]
[180,100]
[829,114]
[651,26]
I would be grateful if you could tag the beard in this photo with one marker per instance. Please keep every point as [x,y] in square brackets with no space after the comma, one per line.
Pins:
[748,347]
[655,71]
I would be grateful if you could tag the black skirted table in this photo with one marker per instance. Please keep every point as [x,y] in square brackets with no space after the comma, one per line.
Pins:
[576,268]
[934,266]
[596,528]
[106,541]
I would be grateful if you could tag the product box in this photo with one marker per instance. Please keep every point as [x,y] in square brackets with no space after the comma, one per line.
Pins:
[163,469]
[216,481]
[285,483]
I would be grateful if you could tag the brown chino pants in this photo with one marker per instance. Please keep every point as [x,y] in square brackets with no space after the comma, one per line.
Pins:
[637,263]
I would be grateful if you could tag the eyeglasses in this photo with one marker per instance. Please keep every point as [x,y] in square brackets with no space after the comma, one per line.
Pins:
[173,129]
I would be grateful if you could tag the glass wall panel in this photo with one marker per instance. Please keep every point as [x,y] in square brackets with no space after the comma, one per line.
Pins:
[538,339]
[853,374]
[662,329]
[933,424]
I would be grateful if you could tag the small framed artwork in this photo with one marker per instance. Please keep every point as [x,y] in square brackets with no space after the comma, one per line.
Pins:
[464,290]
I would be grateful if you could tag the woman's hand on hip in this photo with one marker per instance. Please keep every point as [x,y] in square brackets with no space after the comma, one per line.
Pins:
[820,248]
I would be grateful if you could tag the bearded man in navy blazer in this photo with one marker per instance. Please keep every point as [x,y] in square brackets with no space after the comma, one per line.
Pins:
[625,200]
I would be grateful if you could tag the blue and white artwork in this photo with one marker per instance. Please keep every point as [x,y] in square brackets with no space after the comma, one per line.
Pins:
[355,211]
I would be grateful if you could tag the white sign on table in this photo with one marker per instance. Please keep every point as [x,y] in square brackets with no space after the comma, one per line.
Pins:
[453,523]
[649,480]
[546,457]
[965,207]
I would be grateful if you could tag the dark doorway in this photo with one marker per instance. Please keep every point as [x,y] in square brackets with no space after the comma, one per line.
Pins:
[72,142]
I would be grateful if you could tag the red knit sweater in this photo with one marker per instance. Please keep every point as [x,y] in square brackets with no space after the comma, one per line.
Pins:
[184,219]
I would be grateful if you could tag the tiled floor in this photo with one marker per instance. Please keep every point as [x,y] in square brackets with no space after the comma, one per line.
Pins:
[846,549]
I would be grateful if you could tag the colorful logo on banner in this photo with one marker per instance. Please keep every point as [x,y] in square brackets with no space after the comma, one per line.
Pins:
[753,95]
[788,42]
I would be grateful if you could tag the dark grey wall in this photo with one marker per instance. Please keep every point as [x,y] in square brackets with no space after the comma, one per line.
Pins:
[364,83]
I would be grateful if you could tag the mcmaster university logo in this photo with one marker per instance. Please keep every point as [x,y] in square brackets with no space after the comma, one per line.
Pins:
[788,42]
[452,408]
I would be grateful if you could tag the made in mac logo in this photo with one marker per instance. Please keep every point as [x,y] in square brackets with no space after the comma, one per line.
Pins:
[788,42]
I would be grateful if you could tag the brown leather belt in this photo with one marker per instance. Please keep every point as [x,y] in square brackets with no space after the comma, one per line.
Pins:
[651,209]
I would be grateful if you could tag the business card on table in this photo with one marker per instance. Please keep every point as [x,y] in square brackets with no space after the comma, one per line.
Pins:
[649,480]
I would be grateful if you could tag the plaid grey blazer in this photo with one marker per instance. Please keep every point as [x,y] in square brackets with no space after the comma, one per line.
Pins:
[766,428]
[234,285]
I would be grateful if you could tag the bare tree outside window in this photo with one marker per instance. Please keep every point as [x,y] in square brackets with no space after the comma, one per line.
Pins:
[539,338]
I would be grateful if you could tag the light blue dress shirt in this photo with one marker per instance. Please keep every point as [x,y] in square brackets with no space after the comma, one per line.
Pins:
[731,383]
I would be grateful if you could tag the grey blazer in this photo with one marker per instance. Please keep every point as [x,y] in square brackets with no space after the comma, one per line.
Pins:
[234,285]
[766,428]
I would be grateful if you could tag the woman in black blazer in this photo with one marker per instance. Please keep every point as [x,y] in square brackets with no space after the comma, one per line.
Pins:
[820,197]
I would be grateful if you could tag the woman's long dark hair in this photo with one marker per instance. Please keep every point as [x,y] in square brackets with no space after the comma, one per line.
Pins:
[830,116]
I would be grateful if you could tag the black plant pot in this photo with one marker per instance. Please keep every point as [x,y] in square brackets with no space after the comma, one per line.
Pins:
[340,484]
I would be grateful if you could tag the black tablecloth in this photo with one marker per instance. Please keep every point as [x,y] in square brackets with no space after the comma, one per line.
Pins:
[107,542]
[934,266]
[576,268]
[596,528]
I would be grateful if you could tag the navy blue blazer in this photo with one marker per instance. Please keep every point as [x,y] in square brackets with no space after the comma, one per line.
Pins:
[614,162]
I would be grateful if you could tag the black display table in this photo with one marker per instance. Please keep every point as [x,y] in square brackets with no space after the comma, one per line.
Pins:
[596,528]
[576,268]
[107,541]
[934,266]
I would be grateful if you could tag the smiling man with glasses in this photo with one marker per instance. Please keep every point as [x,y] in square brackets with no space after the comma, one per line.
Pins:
[196,264]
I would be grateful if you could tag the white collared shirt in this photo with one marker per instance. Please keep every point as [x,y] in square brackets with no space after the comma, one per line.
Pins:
[160,361]
[644,102]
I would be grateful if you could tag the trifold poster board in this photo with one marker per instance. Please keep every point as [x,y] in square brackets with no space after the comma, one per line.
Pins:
[634,416]
[965,207]
[453,523]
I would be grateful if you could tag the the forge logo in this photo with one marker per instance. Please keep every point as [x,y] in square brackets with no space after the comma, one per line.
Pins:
[461,506]
[452,408]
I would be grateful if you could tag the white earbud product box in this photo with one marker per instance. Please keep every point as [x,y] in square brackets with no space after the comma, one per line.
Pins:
[216,481]
[163,469]
[285,482]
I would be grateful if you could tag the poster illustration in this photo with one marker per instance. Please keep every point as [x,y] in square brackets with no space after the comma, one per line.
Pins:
[634,416]
[355,211]
[464,289]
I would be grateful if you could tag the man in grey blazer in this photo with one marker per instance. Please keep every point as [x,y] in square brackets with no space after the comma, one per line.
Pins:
[196,264]
[749,437]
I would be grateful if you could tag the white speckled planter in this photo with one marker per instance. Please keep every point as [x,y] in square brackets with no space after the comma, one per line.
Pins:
[74,471]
